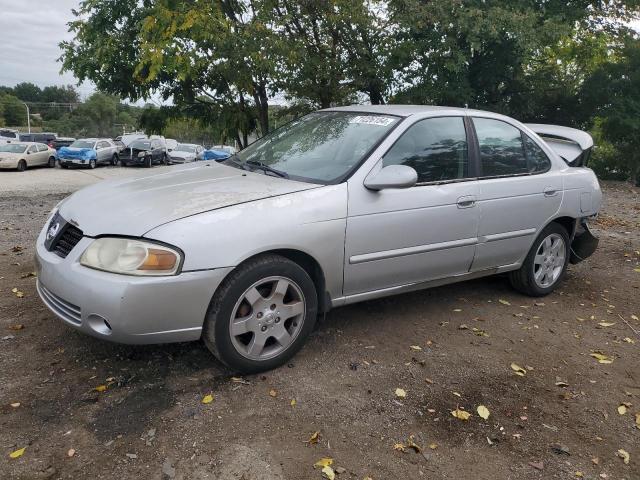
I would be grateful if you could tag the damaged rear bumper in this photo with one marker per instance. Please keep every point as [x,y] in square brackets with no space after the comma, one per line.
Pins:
[584,243]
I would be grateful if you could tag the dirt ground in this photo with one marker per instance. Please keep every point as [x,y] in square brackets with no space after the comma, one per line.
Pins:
[447,348]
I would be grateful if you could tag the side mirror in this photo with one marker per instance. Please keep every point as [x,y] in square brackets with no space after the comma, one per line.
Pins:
[392,176]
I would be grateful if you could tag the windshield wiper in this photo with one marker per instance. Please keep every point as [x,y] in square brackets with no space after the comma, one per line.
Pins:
[267,168]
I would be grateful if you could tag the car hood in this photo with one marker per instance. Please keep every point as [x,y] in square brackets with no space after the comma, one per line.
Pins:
[133,206]
[74,152]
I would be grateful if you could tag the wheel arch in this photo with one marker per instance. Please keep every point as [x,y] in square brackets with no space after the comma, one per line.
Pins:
[308,263]
[568,223]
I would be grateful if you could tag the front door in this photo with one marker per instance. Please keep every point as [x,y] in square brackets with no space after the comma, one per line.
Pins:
[398,237]
[519,193]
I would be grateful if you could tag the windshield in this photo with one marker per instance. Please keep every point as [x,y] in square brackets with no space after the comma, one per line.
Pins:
[145,144]
[319,147]
[82,144]
[13,147]
[186,148]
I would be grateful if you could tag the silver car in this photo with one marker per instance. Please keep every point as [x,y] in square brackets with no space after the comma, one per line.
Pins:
[89,152]
[340,206]
[186,152]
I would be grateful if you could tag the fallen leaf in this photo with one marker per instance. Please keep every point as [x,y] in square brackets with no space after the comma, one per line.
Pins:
[483,412]
[273,393]
[293,402]
[207,399]
[15,404]
[328,473]
[634,317]
[579,474]
[629,340]
[636,270]
[323,462]
[17,292]
[433,446]
[17,453]
[537,465]
[503,302]
[71,452]
[622,409]
[400,393]
[29,275]
[412,444]
[457,310]
[100,388]
[518,369]
[601,357]
[607,324]
[638,420]
[460,414]
[16,327]
[399,447]
[624,455]
[415,347]
[313,439]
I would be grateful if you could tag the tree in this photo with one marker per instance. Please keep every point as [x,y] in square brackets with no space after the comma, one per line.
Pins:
[27,92]
[614,90]
[14,111]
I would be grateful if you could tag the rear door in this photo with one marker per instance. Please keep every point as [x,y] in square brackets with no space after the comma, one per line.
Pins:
[43,154]
[400,237]
[519,192]
[103,152]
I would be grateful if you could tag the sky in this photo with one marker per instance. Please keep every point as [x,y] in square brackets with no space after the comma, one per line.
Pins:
[30,31]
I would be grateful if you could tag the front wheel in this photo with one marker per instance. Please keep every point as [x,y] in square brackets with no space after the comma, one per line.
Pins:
[114,160]
[546,263]
[165,159]
[22,166]
[148,162]
[261,315]
[92,164]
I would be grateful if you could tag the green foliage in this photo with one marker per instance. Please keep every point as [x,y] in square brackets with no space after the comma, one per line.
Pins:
[14,112]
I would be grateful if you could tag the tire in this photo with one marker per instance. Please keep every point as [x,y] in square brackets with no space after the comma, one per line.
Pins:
[148,162]
[165,160]
[531,279]
[64,166]
[22,166]
[114,160]
[92,164]
[261,280]
[52,162]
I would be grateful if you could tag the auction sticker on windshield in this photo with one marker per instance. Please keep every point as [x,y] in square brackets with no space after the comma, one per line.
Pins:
[373,120]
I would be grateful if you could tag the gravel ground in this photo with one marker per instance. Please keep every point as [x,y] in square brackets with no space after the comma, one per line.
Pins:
[447,348]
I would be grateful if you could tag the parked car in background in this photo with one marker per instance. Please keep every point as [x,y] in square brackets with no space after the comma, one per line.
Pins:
[170,144]
[9,135]
[145,152]
[225,148]
[127,138]
[120,144]
[89,152]
[339,206]
[217,155]
[41,137]
[186,152]
[22,155]
[63,142]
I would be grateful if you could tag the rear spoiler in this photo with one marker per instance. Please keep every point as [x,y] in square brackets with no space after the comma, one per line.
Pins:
[572,145]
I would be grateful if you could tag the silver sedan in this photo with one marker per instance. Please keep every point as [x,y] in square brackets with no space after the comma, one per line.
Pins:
[339,206]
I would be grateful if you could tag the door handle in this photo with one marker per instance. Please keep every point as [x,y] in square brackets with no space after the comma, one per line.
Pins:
[467,201]
[550,192]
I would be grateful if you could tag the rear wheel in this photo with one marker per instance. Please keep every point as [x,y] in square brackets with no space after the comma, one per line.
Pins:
[261,315]
[165,159]
[114,160]
[545,265]
[22,166]
[52,162]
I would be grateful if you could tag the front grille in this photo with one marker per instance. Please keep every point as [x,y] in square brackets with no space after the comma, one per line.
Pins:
[65,242]
[65,310]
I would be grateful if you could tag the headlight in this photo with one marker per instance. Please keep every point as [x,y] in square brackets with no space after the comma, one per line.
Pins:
[131,257]
[142,154]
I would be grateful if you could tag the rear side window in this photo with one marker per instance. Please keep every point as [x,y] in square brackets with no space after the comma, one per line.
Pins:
[42,147]
[32,149]
[537,159]
[501,148]
[435,147]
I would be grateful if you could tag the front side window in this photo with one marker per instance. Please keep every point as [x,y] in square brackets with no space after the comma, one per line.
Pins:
[32,149]
[538,160]
[436,148]
[501,149]
[320,147]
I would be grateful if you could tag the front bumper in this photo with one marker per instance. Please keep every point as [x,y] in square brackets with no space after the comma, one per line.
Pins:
[74,161]
[121,308]
[8,163]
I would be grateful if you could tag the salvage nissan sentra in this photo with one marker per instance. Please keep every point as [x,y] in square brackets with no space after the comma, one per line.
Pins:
[339,206]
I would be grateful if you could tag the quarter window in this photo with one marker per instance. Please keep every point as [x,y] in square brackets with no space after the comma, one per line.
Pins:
[538,160]
[501,149]
[435,147]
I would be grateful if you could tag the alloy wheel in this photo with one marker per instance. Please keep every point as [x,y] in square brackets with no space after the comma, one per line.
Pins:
[549,260]
[267,318]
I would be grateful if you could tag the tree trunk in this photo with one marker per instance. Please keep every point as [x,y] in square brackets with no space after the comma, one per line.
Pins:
[375,96]
[262,104]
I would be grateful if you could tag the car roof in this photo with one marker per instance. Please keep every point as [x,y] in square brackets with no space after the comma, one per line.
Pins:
[409,110]
[93,139]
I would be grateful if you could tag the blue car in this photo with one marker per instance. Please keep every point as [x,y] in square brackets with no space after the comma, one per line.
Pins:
[89,152]
[217,155]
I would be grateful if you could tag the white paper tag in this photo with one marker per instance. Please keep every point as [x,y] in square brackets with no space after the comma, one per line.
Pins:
[373,120]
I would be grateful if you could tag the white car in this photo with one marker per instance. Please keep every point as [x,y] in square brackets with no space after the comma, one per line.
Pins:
[22,155]
[186,152]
